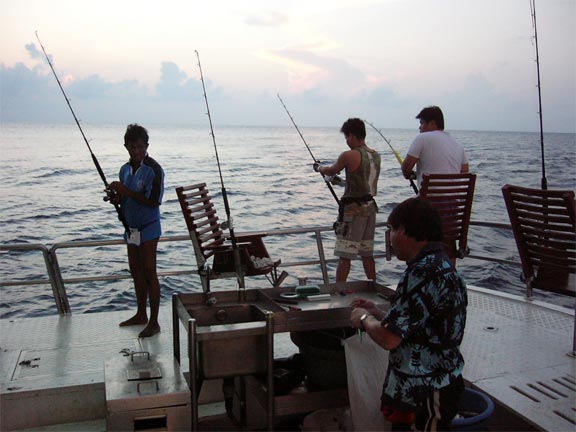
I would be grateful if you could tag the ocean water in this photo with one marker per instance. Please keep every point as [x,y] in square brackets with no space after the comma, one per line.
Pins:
[51,193]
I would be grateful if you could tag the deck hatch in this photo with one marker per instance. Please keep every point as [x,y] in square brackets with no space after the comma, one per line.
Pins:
[76,359]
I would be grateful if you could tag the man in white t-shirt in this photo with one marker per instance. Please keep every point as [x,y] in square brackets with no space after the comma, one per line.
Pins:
[434,151]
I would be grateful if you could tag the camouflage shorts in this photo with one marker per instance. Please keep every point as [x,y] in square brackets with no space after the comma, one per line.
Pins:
[355,234]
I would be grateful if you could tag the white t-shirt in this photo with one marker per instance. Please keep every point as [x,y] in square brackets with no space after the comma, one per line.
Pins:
[437,153]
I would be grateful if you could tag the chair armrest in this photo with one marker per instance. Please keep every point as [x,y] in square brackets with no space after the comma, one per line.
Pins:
[219,247]
[250,238]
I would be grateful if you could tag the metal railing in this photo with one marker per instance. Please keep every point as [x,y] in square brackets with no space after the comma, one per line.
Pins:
[54,278]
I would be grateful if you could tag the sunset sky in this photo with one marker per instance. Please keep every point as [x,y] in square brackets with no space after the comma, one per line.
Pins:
[383,60]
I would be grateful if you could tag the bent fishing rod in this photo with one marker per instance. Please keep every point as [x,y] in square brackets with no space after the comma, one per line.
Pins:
[235,250]
[309,151]
[96,163]
[544,182]
[398,157]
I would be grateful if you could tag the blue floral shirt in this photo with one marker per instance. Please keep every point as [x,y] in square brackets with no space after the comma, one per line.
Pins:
[429,313]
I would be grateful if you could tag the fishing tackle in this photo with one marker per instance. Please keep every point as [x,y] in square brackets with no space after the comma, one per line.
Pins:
[235,250]
[395,154]
[96,163]
[544,182]
[309,151]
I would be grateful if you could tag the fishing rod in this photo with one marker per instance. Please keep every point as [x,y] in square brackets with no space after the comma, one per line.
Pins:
[533,11]
[235,251]
[309,151]
[395,154]
[96,163]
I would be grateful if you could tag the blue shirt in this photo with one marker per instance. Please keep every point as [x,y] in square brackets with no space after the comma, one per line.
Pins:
[148,180]
[429,313]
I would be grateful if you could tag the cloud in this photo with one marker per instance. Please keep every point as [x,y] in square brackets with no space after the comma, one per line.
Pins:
[33,52]
[478,105]
[175,85]
[381,96]
[309,71]
[92,87]
[31,94]
[323,91]
[267,19]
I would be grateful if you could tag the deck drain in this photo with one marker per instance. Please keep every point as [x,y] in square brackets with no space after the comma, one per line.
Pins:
[491,329]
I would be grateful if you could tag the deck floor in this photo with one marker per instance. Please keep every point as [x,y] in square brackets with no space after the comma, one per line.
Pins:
[515,350]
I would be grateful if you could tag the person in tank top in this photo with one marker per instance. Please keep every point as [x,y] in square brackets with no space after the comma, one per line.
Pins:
[357,214]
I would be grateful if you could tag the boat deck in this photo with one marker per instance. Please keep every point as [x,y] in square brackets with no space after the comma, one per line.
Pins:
[517,351]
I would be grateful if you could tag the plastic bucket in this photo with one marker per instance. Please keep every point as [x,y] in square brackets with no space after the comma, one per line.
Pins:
[474,411]
[323,357]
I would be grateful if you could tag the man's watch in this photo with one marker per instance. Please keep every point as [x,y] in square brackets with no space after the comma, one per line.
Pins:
[362,318]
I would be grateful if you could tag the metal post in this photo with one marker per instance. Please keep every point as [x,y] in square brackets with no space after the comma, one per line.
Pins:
[193,372]
[318,236]
[270,369]
[56,276]
[175,328]
[574,340]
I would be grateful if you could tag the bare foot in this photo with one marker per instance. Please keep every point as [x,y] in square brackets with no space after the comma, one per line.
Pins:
[150,330]
[135,320]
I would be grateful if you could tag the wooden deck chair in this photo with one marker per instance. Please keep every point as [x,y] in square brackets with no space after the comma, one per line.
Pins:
[544,226]
[452,196]
[209,241]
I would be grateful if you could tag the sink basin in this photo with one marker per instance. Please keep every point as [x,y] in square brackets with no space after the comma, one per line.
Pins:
[226,314]
[231,339]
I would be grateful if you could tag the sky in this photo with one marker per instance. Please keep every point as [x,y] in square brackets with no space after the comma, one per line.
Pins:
[382,60]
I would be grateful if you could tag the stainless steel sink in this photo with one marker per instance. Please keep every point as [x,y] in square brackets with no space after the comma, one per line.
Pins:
[231,333]
[229,337]
[226,314]
[232,340]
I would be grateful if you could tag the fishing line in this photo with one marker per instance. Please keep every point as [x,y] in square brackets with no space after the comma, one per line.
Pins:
[398,158]
[96,163]
[235,251]
[309,151]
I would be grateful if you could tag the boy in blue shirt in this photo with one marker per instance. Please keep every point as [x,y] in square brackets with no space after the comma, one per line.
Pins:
[139,194]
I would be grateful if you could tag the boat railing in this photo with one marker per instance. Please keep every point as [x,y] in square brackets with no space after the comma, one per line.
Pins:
[53,273]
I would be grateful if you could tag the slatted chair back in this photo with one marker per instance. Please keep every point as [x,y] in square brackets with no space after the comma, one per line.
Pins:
[544,226]
[209,241]
[201,220]
[452,196]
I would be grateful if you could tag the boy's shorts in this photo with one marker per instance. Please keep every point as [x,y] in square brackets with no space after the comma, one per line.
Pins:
[355,234]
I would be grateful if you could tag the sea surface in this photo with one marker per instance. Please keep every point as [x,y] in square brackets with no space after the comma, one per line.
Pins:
[51,193]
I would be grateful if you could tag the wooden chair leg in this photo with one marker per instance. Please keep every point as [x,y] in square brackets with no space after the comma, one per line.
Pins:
[276,280]
[204,273]
[280,278]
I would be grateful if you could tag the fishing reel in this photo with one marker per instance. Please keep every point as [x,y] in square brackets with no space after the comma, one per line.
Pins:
[336,180]
[110,195]
[341,228]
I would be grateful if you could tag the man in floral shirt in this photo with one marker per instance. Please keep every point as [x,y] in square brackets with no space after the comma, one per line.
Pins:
[424,326]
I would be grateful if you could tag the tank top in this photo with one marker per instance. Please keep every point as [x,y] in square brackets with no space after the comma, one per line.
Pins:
[364,180]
